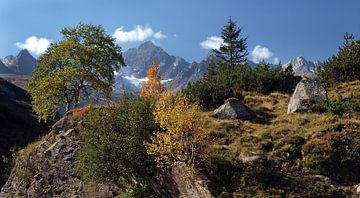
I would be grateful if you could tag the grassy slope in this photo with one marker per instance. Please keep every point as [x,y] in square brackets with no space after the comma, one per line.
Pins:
[233,137]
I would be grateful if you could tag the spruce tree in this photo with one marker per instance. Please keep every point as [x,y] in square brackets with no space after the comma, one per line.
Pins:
[234,48]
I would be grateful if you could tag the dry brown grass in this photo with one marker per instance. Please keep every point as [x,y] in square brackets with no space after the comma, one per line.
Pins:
[236,136]
[79,113]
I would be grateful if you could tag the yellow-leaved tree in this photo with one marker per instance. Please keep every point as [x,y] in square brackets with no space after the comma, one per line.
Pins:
[182,127]
[152,88]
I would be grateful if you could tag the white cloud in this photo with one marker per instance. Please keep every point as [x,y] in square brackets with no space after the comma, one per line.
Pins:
[261,53]
[34,44]
[139,33]
[276,60]
[212,42]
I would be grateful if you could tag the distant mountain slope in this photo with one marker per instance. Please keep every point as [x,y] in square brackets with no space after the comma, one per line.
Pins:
[16,79]
[175,71]
[18,124]
[23,63]
[303,67]
[141,58]
[4,69]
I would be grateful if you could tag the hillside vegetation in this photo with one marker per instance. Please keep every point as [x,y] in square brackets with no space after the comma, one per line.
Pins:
[297,148]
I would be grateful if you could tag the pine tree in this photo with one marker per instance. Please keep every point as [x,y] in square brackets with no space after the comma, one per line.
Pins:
[234,49]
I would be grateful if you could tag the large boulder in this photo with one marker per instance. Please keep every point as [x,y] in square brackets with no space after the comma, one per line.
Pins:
[183,181]
[308,94]
[232,109]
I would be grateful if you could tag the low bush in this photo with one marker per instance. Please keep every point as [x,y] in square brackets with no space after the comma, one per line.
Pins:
[113,139]
[342,105]
[337,155]
[230,81]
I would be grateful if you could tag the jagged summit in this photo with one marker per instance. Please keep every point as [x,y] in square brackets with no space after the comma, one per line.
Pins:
[147,44]
[24,52]
[303,67]
[23,63]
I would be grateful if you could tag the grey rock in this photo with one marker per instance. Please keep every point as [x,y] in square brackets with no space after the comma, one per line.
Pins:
[60,124]
[183,181]
[232,109]
[308,93]
[357,189]
[251,158]
[321,179]
[53,171]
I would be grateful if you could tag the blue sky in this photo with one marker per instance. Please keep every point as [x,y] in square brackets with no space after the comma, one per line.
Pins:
[276,30]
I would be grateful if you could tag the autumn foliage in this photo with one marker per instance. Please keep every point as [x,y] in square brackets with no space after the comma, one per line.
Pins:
[182,128]
[152,88]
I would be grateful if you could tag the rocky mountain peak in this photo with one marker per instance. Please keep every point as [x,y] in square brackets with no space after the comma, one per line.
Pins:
[23,63]
[302,67]
[147,45]
[24,53]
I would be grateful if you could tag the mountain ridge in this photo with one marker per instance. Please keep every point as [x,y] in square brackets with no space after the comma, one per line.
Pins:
[23,63]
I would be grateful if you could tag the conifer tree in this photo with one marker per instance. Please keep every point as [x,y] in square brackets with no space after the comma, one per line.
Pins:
[234,48]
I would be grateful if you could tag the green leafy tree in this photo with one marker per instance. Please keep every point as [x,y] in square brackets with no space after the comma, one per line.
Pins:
[78,67]
[234,48]
[113,138]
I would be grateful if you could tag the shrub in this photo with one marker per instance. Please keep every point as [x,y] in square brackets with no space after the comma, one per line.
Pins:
[182,130]
[342,105]
[230,81]
[337,156]
[113,139]
[224,172]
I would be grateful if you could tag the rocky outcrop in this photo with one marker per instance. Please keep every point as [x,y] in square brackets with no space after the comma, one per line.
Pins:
[184,181]
[309,94]
[47,169]
[232,109]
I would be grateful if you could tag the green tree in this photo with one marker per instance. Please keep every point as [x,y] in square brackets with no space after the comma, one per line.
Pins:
[78,67]
[234,48]
[113,138]
[345,65]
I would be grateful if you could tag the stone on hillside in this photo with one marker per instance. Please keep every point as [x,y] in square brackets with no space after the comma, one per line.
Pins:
[232,109]
[59,125]
[308,94]
[184,181]
[251,158]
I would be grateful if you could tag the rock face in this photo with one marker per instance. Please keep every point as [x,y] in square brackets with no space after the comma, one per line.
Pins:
[232,109]
[48,170]
[307,93]
[183,181]
[303,67]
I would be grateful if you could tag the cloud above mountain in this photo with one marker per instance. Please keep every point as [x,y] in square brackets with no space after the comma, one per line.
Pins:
[139,33]
[212,42]
[34,45]
[260,53]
